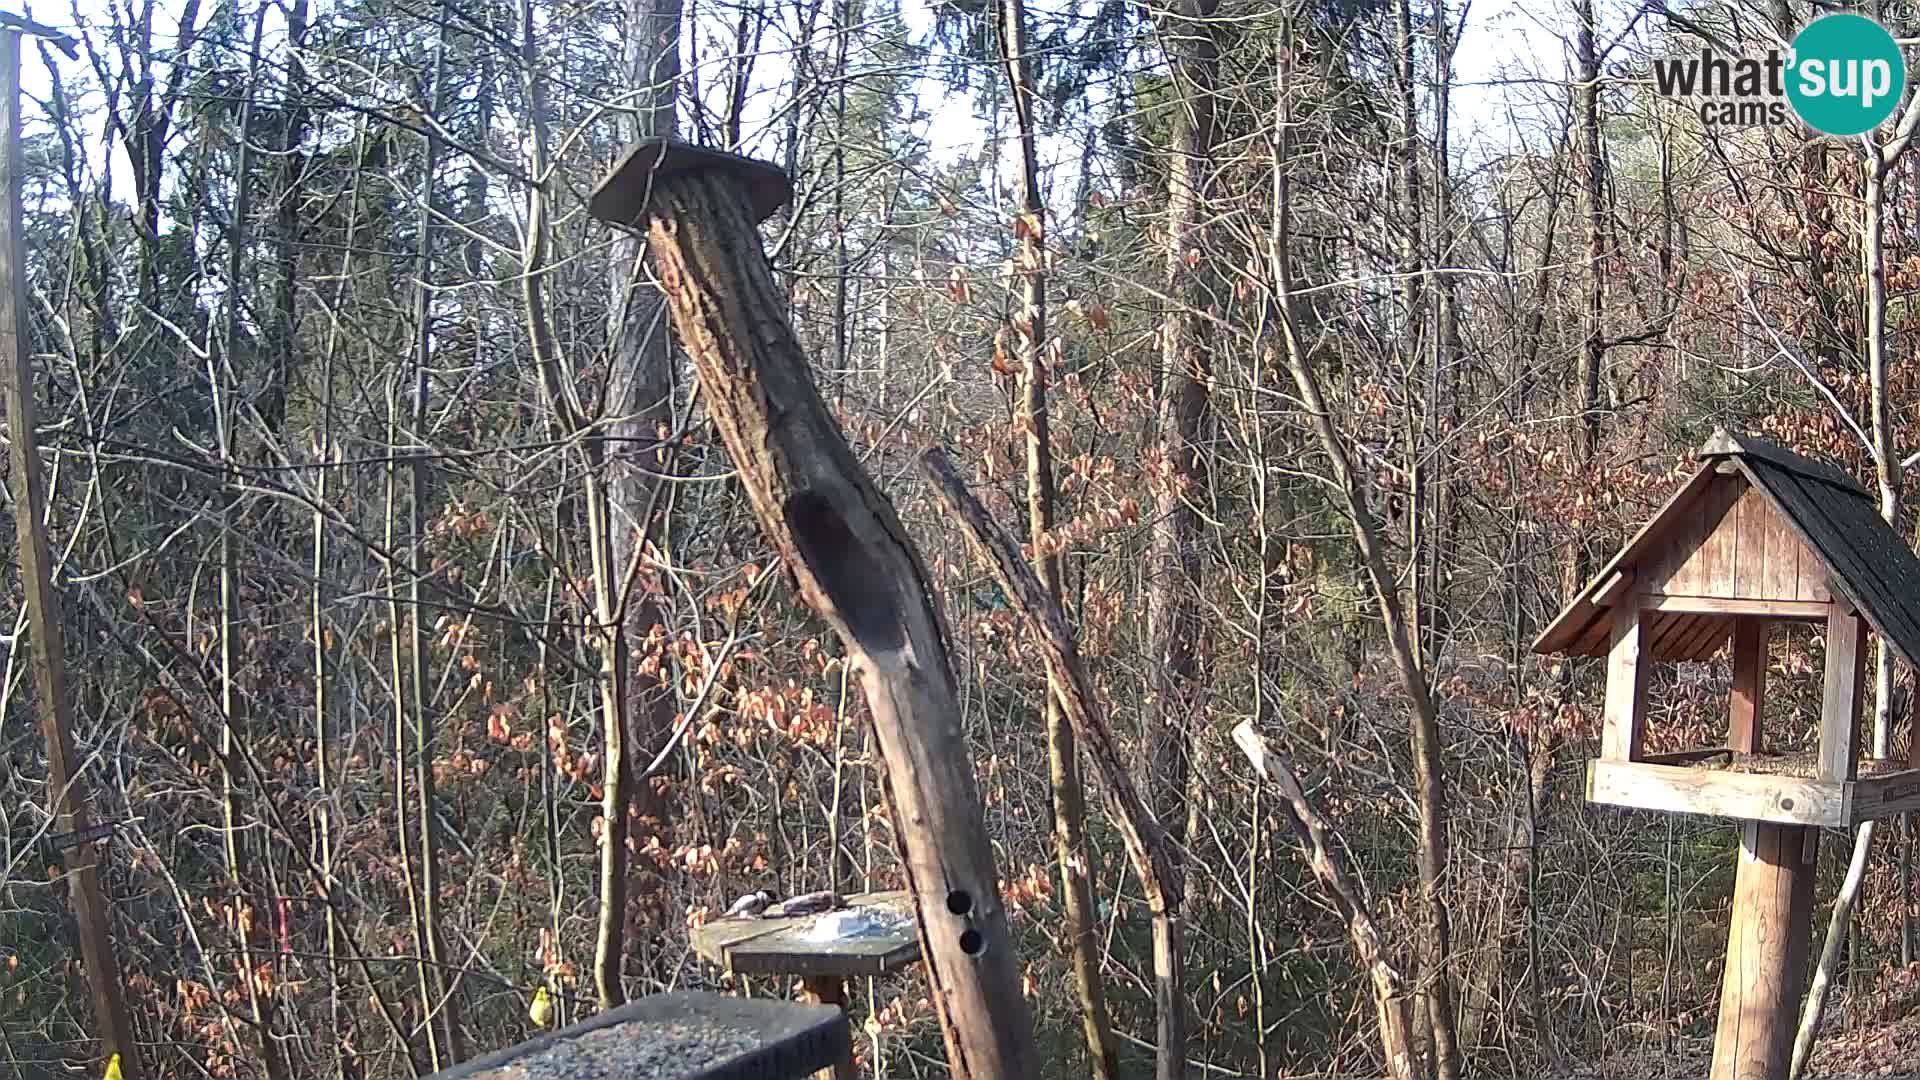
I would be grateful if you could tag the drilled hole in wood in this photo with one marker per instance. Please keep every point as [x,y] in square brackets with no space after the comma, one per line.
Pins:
[959,902]
[848,570]
[972,942]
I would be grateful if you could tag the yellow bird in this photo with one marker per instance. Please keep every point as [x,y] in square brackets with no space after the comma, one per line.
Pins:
[540,1012]
[113,1068]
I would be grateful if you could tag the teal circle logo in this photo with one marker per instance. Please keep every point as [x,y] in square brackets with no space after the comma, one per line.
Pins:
[1845,74]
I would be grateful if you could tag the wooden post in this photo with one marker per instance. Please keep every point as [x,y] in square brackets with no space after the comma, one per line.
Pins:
[853,564]
[1624,722]
[43,603]
[1744,735]
[832,990]
[1840,696]
[1766,951]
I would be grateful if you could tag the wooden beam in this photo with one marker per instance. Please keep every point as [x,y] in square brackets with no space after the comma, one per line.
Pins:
[1766,952]
[1687,757]
[1628,661]
[1841,693]
[1884,796]
[1616,586]
[1787,800]
[1749,685]
[1723,605]
[832,990]
[66,785]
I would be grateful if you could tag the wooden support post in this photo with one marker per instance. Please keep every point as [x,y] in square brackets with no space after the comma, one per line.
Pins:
[68,787]
[832,990]
[1744,734]
[1623,724]
[1766,952]
[1840,697]
[852,561]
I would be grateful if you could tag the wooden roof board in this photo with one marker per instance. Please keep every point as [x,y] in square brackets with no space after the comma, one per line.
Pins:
[1868,562]
[1571,626]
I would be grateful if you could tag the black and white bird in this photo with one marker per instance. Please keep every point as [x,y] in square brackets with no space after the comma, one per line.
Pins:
[751,904]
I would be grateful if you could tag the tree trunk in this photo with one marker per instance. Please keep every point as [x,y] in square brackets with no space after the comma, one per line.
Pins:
[640,398]
[1173,697]
[1063,765]
[1424,733]
[856,568]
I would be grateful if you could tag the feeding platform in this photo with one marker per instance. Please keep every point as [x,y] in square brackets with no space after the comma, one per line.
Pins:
[1759,535]
[679,1036]
[806,946]
[873,934]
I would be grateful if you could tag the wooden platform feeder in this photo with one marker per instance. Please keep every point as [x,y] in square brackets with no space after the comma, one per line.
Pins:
[1758,536]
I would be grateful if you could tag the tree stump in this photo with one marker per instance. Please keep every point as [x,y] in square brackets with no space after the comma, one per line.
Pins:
[851,559]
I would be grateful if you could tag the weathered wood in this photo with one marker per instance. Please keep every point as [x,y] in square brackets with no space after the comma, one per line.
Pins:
[1146,842]
[1841,693]
[1727,793]
[1884,796]
[857,569]
[786,946]
[832,990]
[1749,685]
[44,628]
[1622,724]
[1804,610]
[1698,558]
[1687,757]
[1723,443]
[1615,587]
[1766,952]
[1392,1005]
[1576,622]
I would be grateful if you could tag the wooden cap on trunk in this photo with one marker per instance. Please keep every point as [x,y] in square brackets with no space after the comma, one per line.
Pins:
[621,198]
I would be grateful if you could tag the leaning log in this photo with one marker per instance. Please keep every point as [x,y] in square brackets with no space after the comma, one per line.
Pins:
[1152,852]
[1392,1006]
[853,563]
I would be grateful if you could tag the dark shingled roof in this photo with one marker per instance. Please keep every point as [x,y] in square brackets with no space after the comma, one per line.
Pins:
[1868,564]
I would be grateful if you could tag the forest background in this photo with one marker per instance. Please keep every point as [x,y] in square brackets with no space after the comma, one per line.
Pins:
[382,506]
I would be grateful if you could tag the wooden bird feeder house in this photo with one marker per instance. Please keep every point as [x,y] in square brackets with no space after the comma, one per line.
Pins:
[1758,535]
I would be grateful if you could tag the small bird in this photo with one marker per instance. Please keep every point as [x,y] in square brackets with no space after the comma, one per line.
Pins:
[813,903]
[113,1068]
[540,1012]
[751,904]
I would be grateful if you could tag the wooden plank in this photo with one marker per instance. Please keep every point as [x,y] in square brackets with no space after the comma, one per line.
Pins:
[787,946]
[1749,685]
[1723,605]
[1841,692]
[1663,633]
[1615,586]
[829,990]
[1622,724]
[1885,796]
[1688,757]
[1788,800]
[1703,638]
[1750,546]
[1766,952]
[1577,618]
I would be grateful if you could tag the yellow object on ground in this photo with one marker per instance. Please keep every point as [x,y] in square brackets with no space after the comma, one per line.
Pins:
[540,1012]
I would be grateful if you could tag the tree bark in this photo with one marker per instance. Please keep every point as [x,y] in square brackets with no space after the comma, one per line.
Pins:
[1345,893]
[1149,846]
[1173,688]
[856,568]
[1063,765]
